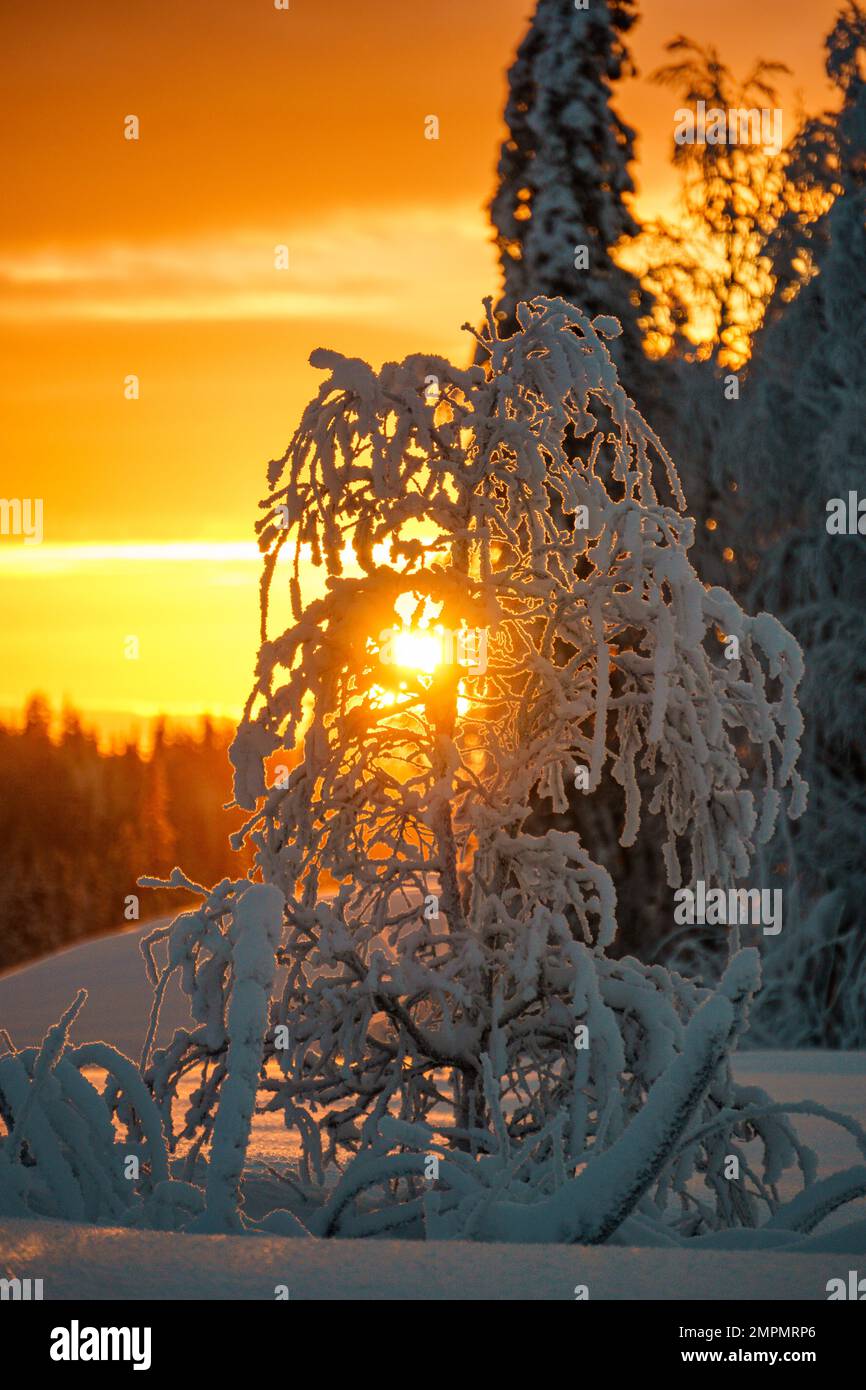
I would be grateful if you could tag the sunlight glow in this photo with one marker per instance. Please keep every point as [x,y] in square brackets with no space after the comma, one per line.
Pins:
[416,650]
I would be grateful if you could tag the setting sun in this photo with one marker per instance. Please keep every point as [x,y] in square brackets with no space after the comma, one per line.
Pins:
[416,650]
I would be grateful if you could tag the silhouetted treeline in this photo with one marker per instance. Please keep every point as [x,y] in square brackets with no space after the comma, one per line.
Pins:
[79,825]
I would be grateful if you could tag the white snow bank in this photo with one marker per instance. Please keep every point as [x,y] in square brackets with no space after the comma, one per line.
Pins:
[80,1262]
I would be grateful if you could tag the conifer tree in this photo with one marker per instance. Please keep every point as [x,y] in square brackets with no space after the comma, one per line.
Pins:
[564,179]
[797,444]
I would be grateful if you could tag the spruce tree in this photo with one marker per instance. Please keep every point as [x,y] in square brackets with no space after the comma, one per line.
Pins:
[560,206]
[564,179]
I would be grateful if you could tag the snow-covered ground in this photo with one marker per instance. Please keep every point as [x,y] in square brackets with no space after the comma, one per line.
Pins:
[78,1262]
[87,1262]
[111,968]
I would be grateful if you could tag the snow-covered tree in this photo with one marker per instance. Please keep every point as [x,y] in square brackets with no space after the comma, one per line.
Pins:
[562,198]
[446,967]
[795,442]
[820,163]
[707,270]
[709,273]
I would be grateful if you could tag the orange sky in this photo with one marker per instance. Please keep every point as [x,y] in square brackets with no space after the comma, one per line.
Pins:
[258,127]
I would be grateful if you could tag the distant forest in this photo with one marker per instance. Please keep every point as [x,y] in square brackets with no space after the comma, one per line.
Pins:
[80,824]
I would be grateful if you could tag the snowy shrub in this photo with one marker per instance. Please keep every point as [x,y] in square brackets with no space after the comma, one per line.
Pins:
[61,1155]
[226,953]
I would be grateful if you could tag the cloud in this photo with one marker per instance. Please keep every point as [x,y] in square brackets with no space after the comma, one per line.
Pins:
[352,266]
